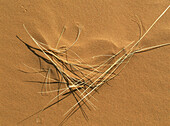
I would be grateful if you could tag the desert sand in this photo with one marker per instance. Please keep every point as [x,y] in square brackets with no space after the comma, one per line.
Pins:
[138,96]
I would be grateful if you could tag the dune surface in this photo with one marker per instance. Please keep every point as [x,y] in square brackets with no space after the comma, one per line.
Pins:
[138,96]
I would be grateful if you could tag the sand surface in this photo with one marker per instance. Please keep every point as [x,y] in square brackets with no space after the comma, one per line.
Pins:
[139,96]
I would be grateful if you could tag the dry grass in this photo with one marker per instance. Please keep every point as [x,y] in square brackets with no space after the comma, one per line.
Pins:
[83,80]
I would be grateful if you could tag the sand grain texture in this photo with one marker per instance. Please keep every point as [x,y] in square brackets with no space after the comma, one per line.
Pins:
[138,96]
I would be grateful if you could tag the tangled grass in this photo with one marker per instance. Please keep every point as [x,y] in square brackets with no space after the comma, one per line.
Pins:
[82,80]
